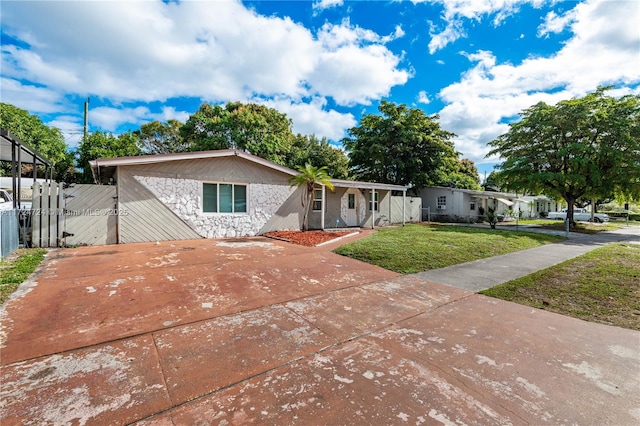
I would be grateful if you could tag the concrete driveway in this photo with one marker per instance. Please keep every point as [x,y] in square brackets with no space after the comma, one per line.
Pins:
[265,332]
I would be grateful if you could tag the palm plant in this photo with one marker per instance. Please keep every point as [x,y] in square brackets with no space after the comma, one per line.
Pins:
[308,178]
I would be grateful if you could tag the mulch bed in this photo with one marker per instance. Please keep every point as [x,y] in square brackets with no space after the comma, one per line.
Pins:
[307,238]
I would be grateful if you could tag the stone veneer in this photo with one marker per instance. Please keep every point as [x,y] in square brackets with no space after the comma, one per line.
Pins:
[184,198]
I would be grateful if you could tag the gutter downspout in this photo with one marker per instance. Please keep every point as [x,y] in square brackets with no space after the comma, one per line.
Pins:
[324,205]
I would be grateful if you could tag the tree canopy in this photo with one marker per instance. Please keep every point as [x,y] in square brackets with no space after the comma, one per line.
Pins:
[319,152]
[104,145]
[403,146]
[254,128]
[161,138]
[583,147]
[465,175]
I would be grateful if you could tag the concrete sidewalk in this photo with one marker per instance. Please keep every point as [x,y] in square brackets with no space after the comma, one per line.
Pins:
[485,273]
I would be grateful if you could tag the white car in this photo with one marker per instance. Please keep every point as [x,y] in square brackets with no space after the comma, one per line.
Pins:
[580,215]
[6,202]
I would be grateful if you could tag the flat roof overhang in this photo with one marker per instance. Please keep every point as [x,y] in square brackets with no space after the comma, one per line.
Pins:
[27,154]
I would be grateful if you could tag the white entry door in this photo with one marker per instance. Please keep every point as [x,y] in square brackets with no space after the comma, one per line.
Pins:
[352,211]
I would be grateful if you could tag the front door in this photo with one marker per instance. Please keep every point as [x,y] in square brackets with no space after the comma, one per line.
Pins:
[352,212]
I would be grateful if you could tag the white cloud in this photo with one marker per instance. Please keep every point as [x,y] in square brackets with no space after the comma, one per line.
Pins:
[457,12]
[451,33]
[170,113]
[313,117]
[327,4]
[71,128]
[109,118]
[554,23]
[423,98]
[491,92]
[143,51]
[35,99]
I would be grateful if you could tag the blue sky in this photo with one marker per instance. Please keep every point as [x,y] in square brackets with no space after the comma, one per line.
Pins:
[475,63]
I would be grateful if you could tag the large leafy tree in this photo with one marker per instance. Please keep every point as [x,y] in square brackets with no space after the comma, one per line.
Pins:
[310,149]
[254,128]
[47,140]
[402,146]
[585,147]
[465,175]
[104,145]
[161,138]
[308,178]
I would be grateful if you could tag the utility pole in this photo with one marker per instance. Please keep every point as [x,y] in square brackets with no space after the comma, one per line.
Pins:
[86,118]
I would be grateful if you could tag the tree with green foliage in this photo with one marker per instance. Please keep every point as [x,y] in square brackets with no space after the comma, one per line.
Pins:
[105,145]
[492,182]
[583,147]
[465,175]
[253,128]
[308,178]
[310,149]
[65,170]
[47,140]
[161,138]
[403,146]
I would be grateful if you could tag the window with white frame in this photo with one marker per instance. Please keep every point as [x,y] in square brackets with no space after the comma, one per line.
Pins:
[317,200]
[224,198]
[442,202]
[373,201]
[472,206]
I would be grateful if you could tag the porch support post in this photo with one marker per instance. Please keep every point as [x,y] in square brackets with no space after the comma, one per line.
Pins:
[404,203]
[324,204]
[16,195]
[372,203]
[14,173]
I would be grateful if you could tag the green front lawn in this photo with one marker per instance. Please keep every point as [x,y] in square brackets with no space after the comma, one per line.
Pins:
[559,225]
[415,248]
[16,268]
[600,286]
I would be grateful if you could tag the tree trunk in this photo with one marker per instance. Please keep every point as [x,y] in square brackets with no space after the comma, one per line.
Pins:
[305,217]
[570,201]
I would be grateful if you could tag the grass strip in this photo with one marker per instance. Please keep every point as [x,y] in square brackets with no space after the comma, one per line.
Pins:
[416,248]
[601,286]
[16,268]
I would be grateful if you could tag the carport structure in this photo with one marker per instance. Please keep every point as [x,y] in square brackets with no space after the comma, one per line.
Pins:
[17,152]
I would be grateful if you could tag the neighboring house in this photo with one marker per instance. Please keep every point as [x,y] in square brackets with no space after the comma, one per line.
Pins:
[463,204]
[535,206]
[228,193]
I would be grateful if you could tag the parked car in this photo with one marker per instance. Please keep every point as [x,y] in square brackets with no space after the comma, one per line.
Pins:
[6,202]
[579,214]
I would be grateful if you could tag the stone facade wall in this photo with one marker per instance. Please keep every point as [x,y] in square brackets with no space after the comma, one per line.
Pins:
[184,198]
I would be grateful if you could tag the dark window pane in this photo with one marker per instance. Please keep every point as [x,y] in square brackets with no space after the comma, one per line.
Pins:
[240,199]
[317,201]
[210,197]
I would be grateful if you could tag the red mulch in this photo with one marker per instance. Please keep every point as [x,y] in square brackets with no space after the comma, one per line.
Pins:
[307,238]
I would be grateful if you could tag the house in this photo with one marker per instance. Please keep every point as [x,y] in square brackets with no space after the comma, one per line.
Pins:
[456,204]
[230,193]
[535,206]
